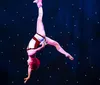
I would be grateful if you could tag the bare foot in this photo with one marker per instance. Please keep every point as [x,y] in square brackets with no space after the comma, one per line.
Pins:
[35,1]
[70,57]
[39,3]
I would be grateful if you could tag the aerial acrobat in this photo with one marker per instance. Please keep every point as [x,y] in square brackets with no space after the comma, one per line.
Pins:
[40,38]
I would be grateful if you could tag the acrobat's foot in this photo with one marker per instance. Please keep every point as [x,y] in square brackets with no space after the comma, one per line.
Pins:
[70,57]
[38,2]
[35,1]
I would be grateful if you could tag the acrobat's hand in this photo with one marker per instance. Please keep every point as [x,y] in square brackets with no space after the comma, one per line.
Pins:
[44,44]
[26,79]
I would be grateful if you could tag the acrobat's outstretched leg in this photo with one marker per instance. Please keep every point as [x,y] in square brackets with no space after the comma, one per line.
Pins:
[40,27]
[58,47]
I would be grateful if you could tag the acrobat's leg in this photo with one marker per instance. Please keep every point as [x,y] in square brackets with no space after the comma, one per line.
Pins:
[58,47]
[40,26]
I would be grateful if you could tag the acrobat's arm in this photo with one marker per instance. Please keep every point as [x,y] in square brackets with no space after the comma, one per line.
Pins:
[29,74]
[42,46]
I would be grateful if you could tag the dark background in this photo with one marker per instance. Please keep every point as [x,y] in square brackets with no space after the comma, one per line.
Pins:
[75,24]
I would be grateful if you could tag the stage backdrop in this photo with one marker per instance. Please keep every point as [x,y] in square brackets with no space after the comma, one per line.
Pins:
[75,24]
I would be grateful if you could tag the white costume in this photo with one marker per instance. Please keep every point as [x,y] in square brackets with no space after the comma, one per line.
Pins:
[35,41]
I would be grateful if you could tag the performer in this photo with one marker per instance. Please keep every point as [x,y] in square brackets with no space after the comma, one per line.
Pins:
[40,38]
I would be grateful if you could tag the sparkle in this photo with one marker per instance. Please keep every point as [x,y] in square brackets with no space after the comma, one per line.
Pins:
[77,37]
[68,32]
[65,62]
[37,79]
[51,17]
[12,82]
[48,67]
[12,20]
[66,80]
[9,61]
[40,54]
[9,37]
[5,24]
[14,45]
[17,34]
[85,75]
[91,38]
[66,24]
[77,82]
[17,12]
[0,40]
[49,52]
[58,68]
[50,36]
[23,58]
[73,16]
[98,22]
[92,67]
[54,26]
[87,58]
[79,8]
[26,4]
[99,79]
[23,17]
[87,18]
[60,32]
[72,4]
[2,52]
[4,10]
[50,76]
[74,25]
[67,44]
[29,33]
[17,71]
[74,54]
[95,12]
[23,48]
[32,19]
[72,44]
[59,8]
[78,62]
[72,68]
